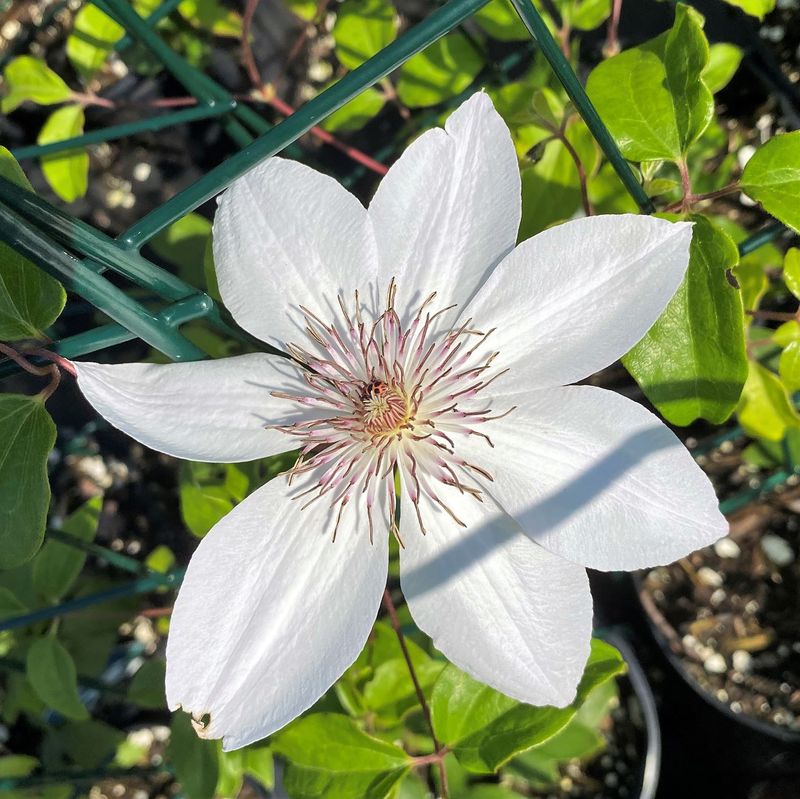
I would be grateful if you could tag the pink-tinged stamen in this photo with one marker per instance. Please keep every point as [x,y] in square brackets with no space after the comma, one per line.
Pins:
[396,401]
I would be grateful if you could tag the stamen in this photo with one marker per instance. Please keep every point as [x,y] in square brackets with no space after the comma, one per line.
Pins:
[395,400]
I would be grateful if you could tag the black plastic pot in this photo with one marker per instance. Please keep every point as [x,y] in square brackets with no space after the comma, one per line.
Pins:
[637,680]
[707,750]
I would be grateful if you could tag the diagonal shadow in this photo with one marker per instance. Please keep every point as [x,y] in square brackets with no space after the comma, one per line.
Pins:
[540,516]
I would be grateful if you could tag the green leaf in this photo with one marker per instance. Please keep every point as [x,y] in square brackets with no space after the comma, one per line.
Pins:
[212,16]
[194,760]
[161,559]
[652,97]
[551,187]
[499,19]
[685,58]
[66,172]
[17,766]
[586,15]
[692,363]
[791,271]
[723,61]
[786,333]
[363,28]
[789,367]
[756,8]
[28,78]
[765,410]
[355,114]
[89,743]
[484,728]
[183,244]
[58,565]
[147,686]
[93,37]
[259,763]
[329,756]
[442,70]
[390,693]
[30,300]
[52,676]
[772,176]
[10,605]
[27,435]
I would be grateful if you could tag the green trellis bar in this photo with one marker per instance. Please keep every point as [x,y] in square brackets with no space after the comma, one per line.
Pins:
[564,72]
[437,24]
[128,129]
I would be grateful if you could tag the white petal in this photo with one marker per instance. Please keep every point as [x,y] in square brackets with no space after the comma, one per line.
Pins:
[449,209]
[286,235]
[270,614]
[575,298]
[597,479]
[204,410]
[500,607]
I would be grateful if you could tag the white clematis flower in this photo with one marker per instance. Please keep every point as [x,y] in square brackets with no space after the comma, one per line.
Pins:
[425,344]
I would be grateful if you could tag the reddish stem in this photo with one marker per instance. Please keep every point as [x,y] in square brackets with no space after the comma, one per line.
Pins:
[247,50]
[612,39]
[440,751]
[357,155]
[59,360]
[23,362]
[691,199]
[587,203]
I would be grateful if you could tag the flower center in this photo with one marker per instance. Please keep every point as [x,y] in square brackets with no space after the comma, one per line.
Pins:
[385,410]
[389,400]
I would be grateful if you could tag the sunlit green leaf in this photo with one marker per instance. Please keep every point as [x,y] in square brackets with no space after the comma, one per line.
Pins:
[93,36]
[791,271]
[30,300]
[789,367]
[756,8]
[692,363]
[500,20]
[363,27]
[586,15]
[765,410]
[329,756]
[212,16]
[652,97]
[28,78]
[551,187]
[194,759]
[355,114]
[66,172]
[52,675]
[27,435]
[723,61]
[442,70]
[685,58]
[772,176]
[58,565]
[484,728]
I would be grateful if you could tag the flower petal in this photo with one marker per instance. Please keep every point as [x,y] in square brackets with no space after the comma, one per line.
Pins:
[271,612]
[204,410]
[597,479]
[500,607]
[575,298]
[286,235]
[448,210]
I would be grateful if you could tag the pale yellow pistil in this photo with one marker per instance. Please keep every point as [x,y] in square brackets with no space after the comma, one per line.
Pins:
[385,409]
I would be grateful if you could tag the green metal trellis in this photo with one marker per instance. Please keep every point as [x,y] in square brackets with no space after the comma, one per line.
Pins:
[79,255]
